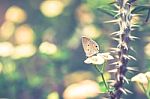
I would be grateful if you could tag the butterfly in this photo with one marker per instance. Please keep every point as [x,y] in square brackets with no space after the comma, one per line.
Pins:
[90,46]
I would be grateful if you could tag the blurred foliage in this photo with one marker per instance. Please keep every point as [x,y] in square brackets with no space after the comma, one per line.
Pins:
[40,49]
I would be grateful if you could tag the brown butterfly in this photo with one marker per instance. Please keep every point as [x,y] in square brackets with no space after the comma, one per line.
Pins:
[90,46]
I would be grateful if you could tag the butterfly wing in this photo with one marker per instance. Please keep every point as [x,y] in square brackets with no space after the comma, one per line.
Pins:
[90,46]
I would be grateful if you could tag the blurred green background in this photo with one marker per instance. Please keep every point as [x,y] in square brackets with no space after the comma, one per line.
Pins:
[41,56]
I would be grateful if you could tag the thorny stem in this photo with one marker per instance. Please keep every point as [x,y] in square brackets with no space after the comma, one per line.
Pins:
[125,29]
[101,73]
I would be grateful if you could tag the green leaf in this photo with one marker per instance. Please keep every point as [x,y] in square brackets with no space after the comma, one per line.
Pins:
[107,11]
[140,8]
[102,87]
[96,3]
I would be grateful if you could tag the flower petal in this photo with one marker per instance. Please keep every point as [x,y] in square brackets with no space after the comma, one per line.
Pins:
[106,56]
[147,75]
[141,78]
[95,60]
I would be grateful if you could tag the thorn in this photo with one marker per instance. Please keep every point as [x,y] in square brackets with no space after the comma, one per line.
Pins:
[131,57]
[128,91]
[126,57]
[115,49]
[118,7]
[125,79]
[136,15]
[116,39]
[133,37]
[131,48]
[118,13]
[112,71]
[132,69]
[116,33]
[132,29]
[111,82]
[122,89]
[113,21]
[115,63]
[131,72]
[135,26]
[118,77]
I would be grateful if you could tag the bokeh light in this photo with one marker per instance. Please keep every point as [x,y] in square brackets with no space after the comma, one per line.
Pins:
[7,29]
[41,54]
[6,49]
[82,90]
[77,77]
[53,95]
[48,48]
[51,8]
[84,15]
[91,31]
[24,51]
[24,34]
[147,49]
[15,14]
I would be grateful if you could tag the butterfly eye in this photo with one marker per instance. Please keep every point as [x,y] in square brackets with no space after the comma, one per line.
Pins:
[88,45]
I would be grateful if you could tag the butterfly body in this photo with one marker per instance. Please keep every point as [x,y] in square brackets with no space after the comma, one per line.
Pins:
[90,46]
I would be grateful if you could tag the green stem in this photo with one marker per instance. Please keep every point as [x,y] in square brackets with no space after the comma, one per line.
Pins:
[101,73]
[145,91]
[102,69]
[148,89]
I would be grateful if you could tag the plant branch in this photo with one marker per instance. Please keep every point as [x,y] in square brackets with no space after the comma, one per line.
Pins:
[123,45]
[101,73]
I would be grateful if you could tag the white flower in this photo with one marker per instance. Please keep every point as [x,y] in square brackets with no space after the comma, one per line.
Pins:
[140,78]
[99,58]
[95,60]
[106,56]
[147,75]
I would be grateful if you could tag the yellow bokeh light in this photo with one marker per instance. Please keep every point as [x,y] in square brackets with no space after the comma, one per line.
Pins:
[6,49]
[82,90]
[24,51]
[53,95]
[24,34]
[7,29]
[147,49]
[66,2]
[51,8]
[15,14]
[91,31]
[48,48]
[77,77]
[84,15]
